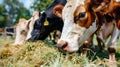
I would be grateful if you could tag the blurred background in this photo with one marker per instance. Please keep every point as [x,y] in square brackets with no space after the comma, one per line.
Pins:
[12,10]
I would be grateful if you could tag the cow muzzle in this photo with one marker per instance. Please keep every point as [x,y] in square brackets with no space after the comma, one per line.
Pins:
[63,46]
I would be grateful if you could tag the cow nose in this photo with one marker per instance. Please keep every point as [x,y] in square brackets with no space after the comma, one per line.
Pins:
[62,46]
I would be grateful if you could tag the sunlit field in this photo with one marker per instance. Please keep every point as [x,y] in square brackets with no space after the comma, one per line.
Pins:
[46,54]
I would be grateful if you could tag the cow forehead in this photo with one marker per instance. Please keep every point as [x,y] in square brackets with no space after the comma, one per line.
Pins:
[22,20]
[35,13]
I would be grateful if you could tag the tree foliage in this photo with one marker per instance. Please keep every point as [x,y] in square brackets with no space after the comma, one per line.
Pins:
[12,10]
[15,10]
[3,15]
[41,5]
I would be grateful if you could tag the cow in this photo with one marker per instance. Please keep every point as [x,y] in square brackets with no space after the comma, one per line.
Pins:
[112,10]
[24,28]
[80,23]
[48,22]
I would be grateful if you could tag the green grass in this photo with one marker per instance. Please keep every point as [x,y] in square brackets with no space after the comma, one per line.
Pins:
[45,54]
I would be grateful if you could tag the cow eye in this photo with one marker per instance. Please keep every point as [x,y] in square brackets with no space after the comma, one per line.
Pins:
[82,15]
[23,32]
[74,32]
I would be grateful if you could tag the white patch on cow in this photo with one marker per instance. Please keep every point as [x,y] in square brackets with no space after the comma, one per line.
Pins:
[117,0]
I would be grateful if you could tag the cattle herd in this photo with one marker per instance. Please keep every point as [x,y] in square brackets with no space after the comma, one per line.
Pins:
[74,23]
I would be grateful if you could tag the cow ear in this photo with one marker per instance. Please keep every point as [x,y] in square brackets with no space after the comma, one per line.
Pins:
[57,10]
[28,23]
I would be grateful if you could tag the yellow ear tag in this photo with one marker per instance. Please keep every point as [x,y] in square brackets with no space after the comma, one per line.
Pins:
[46,23]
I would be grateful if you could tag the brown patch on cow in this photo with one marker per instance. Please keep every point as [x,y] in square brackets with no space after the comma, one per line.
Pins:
[114,10]
[89,16]
[57,10]
[77,12]
[118,24]
[99,7]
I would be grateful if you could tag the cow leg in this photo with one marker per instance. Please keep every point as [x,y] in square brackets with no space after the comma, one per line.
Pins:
[112,45]
[100,44]
[85,46]
[92,44]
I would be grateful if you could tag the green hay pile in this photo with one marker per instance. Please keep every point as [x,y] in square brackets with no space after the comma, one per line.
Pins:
[42,54]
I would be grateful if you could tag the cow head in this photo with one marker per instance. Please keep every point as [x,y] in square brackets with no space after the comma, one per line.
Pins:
[21,30]
[35,16]
[48,22]
[79,25]
[24,28]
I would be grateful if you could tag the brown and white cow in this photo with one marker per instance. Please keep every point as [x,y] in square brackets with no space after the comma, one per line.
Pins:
[112,10]
[24,28]
[80,22]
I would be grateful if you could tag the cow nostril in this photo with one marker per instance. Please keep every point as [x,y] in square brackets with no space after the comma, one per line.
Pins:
[64,45]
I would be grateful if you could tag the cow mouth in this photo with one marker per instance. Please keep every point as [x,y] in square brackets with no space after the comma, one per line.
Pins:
[35,35]
[65,51]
